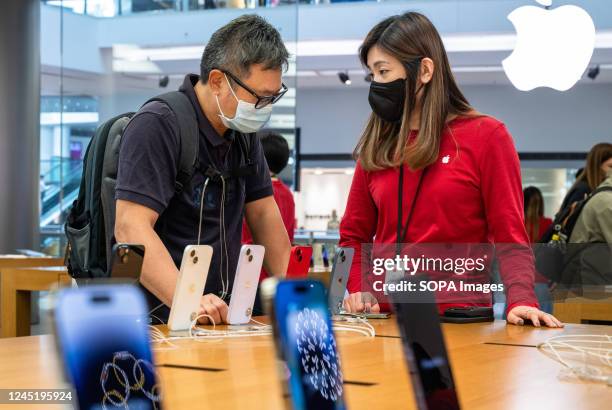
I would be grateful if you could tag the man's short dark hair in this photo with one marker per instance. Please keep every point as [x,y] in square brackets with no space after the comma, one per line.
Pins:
[244,41]
[276,150]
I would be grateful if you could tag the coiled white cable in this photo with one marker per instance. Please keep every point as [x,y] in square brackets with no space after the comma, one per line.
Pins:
[158,337]
[364,327]
[260,323]
[583,345]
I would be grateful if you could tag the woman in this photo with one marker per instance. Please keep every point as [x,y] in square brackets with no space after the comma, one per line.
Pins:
[536,225]
[599,161]
[471,192]
[535,221]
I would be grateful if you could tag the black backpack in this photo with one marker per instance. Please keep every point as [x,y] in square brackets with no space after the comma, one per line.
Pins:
[90,223]
[550,254]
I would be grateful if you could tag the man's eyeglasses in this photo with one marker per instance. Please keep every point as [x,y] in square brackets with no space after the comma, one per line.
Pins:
[262,100]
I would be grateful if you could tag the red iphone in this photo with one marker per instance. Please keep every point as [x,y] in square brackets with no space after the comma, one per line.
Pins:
[299,262]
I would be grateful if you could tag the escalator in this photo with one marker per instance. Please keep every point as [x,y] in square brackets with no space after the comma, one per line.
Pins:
[62,177]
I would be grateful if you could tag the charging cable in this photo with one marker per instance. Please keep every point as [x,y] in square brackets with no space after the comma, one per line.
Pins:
[594,348]
[354,324]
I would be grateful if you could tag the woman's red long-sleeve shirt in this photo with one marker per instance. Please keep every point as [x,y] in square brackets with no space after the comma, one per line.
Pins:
[471,194]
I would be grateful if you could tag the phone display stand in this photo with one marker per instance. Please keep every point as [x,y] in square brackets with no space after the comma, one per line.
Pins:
[179,333]
[366,315]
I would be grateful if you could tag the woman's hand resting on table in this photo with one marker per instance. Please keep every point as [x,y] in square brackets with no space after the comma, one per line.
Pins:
[519,314]
[364,302]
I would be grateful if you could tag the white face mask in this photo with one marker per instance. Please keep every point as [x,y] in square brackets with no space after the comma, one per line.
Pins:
[248,119]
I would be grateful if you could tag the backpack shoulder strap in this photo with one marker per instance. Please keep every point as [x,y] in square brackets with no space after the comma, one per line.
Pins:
[181,106]
[572,215]
[600,189]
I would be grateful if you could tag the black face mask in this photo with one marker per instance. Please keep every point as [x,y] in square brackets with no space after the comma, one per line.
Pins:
[387,99]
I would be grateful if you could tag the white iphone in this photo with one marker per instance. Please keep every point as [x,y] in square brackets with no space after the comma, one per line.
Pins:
[245,284]
[189,286]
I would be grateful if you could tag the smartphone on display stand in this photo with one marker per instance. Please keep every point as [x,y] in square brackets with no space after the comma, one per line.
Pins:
[303,332]
[126,262]
[246,280]
[339,276]
[425,351]
[189,287]
[299,262]
[103,340]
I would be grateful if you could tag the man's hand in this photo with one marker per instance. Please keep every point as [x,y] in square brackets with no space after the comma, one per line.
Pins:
[519,314]
[361,302]
[213,306]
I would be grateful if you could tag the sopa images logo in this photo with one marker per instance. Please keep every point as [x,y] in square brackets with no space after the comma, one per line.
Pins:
[553,48]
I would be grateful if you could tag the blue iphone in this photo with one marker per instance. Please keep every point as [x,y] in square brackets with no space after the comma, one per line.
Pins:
[308,346]
[338,279]
[103,339]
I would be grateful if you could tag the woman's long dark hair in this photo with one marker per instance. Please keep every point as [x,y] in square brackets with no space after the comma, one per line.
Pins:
[533,203]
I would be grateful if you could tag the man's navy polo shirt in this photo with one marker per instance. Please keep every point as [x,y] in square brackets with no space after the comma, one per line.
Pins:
[148,165]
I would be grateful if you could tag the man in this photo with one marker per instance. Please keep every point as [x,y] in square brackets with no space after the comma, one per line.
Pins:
[595,221]
[240,79]
[588,267]
[276,151]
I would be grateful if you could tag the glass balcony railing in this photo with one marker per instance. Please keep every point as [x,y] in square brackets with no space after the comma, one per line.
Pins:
[112,8]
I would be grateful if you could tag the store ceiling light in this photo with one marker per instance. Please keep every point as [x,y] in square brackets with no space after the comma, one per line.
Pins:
[344,78]
[593,72]
[163,81]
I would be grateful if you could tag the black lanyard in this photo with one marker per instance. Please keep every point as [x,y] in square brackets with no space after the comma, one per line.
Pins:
[401,233]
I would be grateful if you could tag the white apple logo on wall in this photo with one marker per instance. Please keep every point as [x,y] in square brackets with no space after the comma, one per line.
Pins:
[553,47]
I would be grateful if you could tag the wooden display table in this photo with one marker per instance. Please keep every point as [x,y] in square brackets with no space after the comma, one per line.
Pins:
[16,286]
[582,310]
[495,367]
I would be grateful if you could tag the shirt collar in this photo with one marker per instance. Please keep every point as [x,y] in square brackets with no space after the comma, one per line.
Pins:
[204,124]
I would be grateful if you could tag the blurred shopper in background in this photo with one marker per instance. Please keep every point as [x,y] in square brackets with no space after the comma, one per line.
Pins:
[594,225]
[537,224]
[599,161]
[334,223]
[459,170]
[587,269]
[535,221]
